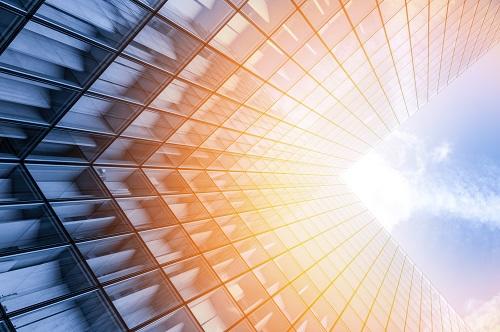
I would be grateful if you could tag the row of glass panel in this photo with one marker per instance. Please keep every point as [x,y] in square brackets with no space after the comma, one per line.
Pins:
[55,272]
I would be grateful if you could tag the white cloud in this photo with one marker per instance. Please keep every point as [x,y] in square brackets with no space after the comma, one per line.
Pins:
[485,317]
[397,180]
[441,152]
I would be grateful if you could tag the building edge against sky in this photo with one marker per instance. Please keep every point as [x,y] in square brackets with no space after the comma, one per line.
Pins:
[174,165]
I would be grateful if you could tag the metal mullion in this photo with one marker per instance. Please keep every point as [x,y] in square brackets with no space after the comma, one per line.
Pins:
[26,16]
[484,37]
[365,276]
[386,273]
[478,34]
[389,46]
[456,41]
[469,29]
[362,48]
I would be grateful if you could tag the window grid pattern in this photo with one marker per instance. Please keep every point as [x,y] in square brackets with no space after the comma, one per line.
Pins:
[174,165]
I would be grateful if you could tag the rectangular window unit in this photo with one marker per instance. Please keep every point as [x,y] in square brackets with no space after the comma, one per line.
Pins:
[108,22]
[66,182]
[167,181]
[30,101]
[15,186]
[35,277]
[127,151]
[69,145]
[146,212]
[41,51]
[199,18]
[142,298]
[162,45]
[8,23]
[98,114]
[180,98]
[191,277]
[169,155]
[115,257]
[91,219]
[87,312]
[129,80]
[180,317]
[208,69]
[24,5]
[154,125]
[15,138]
[125,181]
[168,244]
[26,226]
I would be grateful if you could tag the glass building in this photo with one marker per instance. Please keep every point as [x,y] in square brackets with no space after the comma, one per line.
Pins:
[173,165]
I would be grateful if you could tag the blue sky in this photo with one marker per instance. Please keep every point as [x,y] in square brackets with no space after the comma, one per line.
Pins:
[435,183]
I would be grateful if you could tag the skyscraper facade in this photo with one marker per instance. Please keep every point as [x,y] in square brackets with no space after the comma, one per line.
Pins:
[174,165]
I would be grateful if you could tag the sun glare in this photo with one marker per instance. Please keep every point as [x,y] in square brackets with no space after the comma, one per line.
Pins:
[384,190]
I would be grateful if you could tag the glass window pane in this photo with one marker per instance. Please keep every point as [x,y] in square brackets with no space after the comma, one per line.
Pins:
[191,277]
[35,277]
[168,244]
[125,181]
[247,292]
[126,151]
[240,85]
[90,219]
[98,114]
[199,17]
[208,68]
[141,298]
[21,4]
[180,98]
[162,45]
[226,262]
[178,321]
[238,38]
[16,186]
[112,258]
[129,80]
[269,318]
[293,33]
[154,125]
[215,311]
[266,60]
[146,212]
[69,145]
[205,234]
[26,226]
[186,207]
[268,14]
[167,181]
[59,182]
[53,55]
[106,21]
[16,137]
[87,312]
[25,100]
[170,155]
[8,23]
